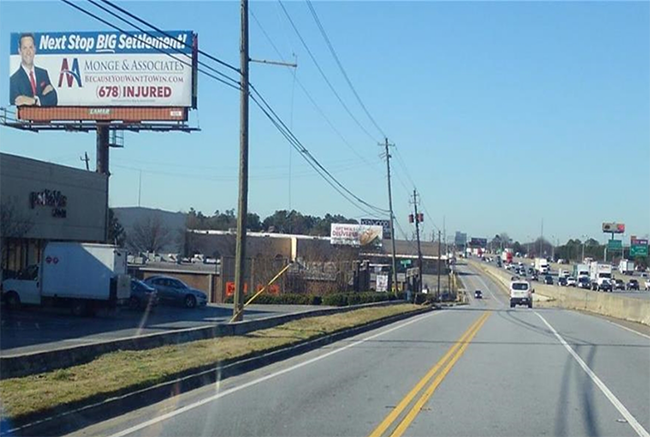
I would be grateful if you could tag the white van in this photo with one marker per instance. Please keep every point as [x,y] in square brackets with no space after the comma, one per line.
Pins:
[521,294]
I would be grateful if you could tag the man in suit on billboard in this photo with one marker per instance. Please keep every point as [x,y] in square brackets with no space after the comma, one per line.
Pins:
[30,85]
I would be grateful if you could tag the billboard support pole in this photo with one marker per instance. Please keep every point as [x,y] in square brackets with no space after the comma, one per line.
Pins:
[390,207]
[242,205]
[102,165]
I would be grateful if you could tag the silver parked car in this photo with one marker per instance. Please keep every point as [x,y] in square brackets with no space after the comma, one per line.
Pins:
[175,291]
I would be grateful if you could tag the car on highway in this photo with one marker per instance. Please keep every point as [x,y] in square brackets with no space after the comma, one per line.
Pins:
[521,293]
[632,284]
[174,291]
[605,285]
[143,296]
[571,282]
[534,277]
[647,285]
[562,282]
[584,282]
[478,294]
[548,280]
[618,284]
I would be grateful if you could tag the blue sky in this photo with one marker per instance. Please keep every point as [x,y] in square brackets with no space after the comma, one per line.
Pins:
[504,114]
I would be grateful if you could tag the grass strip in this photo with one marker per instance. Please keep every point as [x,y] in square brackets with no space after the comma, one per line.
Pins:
[124,371]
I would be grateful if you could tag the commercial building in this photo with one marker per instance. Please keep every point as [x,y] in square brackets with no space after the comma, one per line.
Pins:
[42,202]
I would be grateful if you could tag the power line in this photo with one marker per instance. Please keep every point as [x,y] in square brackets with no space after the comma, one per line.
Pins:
[286,132]
[135,17]
[309,96]
[338,62]
[313,58]
[96,17]
[124,20]
[275,119]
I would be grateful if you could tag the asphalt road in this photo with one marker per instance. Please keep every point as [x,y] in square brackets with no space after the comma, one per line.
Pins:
[478,370]
[38,329]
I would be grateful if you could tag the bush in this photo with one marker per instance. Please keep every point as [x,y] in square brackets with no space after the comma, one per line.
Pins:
[282,299]
[345,299]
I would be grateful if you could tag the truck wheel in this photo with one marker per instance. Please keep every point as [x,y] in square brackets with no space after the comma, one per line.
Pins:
[190,301]
[13,300]
[79,308]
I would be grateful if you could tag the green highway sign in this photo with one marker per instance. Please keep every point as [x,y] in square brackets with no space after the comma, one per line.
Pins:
[614,245]
[638,250]
[405,262]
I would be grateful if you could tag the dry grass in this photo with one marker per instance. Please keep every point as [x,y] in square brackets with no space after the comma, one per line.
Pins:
[124,371]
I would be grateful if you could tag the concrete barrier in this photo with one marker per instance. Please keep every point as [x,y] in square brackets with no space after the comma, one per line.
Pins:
[44,361]
[607,304]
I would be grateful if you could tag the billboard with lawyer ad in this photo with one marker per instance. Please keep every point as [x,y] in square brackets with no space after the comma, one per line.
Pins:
[102,69]
[356,235]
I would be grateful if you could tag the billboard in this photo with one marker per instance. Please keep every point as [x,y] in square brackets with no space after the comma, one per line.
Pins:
[384,223]
[102,69]
[478,242]
[460,239]
[614,228]
[356,235]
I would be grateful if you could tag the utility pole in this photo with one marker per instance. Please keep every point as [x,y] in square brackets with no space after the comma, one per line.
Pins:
[439,244]
[541,241]
[417,219]
[86,160]
[390,207]
[242,205]
[140,188]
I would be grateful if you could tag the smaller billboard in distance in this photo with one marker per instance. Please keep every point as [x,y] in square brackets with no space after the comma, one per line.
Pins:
[356,235]
[384,223]
[478,242]
[614,228]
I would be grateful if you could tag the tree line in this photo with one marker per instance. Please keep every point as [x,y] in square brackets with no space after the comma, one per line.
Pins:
[150,234]
[574,250]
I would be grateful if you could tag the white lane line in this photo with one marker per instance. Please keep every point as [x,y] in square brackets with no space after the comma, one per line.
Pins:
[262,379]
[600,384]
[628,329]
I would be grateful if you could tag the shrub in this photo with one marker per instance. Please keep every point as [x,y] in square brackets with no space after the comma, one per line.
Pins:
[282,299]
[345,299]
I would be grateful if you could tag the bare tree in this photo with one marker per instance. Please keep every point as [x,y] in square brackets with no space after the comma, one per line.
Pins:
[13,224]
[149,235]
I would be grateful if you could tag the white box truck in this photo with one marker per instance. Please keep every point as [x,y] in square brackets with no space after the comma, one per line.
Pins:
[626,267]
[81,276]
[580,270]
[598,273]
[541,266]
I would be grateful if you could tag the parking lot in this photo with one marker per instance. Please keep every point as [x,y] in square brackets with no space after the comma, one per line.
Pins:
[36,329]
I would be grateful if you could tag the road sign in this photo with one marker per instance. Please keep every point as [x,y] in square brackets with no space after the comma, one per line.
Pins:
[614,245]
[638,248]
[406,262]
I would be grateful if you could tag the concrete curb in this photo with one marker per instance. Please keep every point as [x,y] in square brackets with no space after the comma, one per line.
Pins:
[70,418]
[14,366]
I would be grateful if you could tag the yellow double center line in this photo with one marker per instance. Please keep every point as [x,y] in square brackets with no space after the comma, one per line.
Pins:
[450,359]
